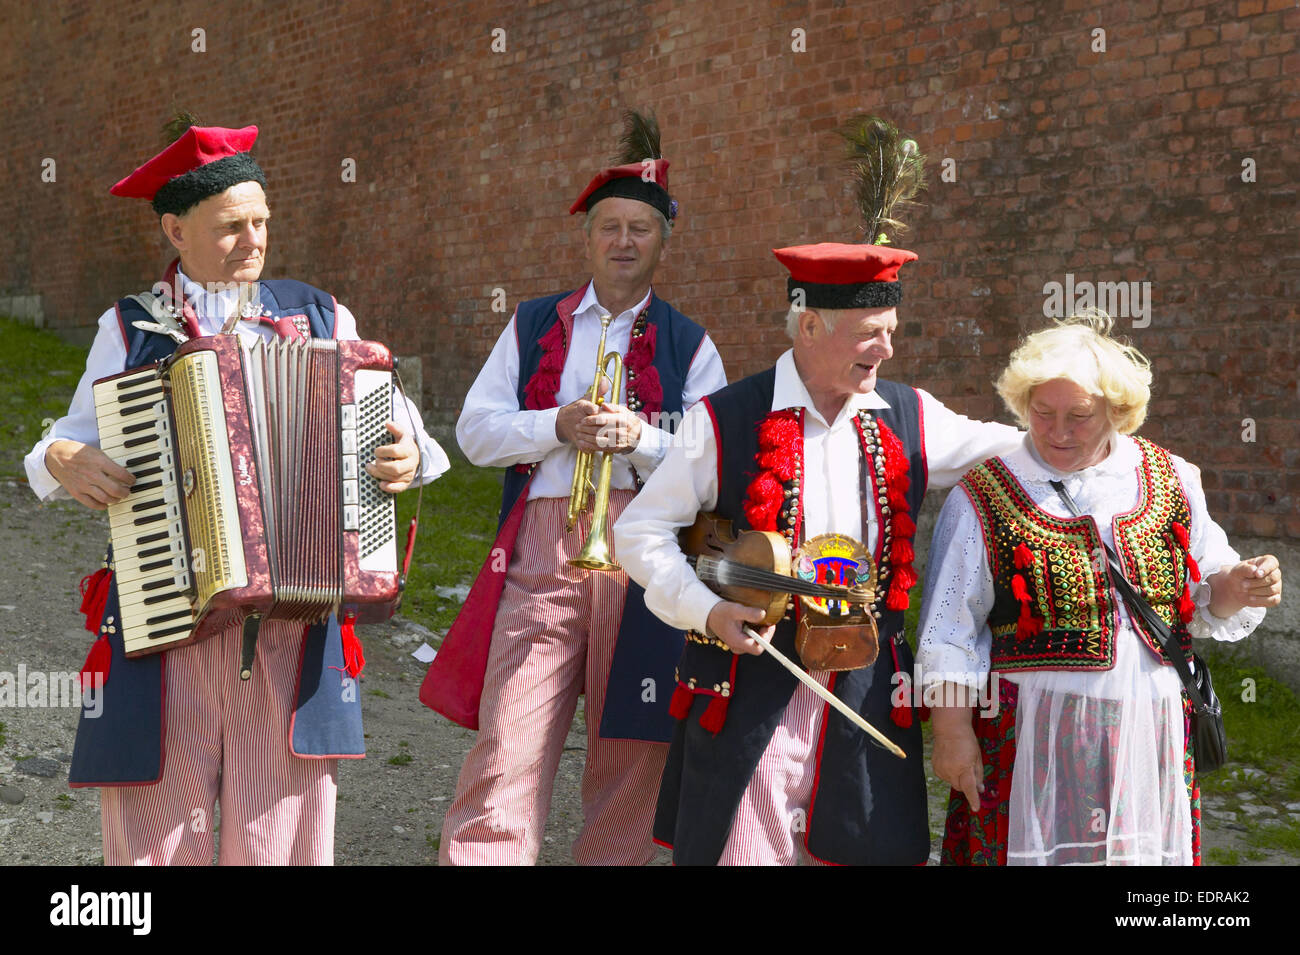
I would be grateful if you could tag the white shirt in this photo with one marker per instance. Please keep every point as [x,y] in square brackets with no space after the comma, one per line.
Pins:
[108,357]
[494,431]
[687,483]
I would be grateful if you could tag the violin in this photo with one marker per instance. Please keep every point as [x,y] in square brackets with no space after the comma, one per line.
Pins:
[836,629]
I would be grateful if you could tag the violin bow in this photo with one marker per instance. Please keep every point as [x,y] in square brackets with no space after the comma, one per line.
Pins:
[825,694]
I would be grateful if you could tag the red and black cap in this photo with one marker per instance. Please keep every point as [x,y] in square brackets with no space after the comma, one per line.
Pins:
[204,161]
[840,275]
[646,181]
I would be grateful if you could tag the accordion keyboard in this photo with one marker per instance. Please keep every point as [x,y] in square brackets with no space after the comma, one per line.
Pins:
[149,562]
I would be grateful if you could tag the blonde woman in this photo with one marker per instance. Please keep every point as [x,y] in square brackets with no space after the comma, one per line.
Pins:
[1084,759]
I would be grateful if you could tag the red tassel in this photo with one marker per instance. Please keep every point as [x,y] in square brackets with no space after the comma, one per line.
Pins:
[715,715]
[1184,541]
[94,672]
[1019,590]
[354,657]
[1027,625]
[94,595]
[901,711]
[902,551]
[1180,532]
[1023,557]
[902,716]
[1186,608]
[679,707]
[897,598]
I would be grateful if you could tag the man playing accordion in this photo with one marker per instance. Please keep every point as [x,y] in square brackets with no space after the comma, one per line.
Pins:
[180,730]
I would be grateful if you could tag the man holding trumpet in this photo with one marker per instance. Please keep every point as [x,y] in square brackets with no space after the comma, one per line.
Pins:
[536,632]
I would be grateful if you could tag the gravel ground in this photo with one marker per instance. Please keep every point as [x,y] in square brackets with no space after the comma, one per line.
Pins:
[390,808]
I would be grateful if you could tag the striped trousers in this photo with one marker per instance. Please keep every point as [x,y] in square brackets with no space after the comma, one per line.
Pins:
[771,822]
[227,740]
[554,636]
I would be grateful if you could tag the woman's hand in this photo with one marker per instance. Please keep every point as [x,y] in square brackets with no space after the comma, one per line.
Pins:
[956,757]
[1256,582]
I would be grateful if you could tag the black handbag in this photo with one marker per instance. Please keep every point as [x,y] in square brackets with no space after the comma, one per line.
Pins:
[1210,742]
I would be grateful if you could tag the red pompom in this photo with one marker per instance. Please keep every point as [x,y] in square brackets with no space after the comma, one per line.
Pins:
[679,707]
[715,715]
[354,658]
[94,672]
[904,576]
[1023,557]
[902,525]
[902,551]
[897,598]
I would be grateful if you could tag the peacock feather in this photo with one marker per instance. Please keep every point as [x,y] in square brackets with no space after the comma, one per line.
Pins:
[889,171]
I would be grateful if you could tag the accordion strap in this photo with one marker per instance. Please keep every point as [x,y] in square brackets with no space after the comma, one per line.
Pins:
[419,494]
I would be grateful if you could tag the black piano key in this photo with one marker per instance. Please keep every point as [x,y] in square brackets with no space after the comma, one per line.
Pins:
[141,459]
[151,519]
[166,617]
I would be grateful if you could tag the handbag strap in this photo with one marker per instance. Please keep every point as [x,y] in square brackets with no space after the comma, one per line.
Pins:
[1138,606]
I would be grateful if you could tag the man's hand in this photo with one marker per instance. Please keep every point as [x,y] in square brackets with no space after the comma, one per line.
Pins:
[598,428]
[725,621]
[395,464]
[956,757]
[613,428]
[88,474]
[1256,582]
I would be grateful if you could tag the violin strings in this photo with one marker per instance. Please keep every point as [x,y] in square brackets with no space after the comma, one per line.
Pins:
[742,575]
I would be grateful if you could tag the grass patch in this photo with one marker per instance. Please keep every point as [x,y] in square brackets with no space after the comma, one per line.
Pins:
[40,372]
[1284,837]
[1217,856]
[3,738]
[401,759]
[1262,717]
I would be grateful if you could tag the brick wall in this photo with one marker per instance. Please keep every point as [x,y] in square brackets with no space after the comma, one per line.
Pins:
[1122,165]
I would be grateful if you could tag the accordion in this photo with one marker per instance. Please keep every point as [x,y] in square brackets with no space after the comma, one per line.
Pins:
[251,497]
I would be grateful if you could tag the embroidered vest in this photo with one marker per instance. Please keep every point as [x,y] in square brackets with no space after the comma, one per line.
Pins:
[1064,578]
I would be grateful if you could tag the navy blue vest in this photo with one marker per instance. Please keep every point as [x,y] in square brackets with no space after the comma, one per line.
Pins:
[120,740]
[868,807]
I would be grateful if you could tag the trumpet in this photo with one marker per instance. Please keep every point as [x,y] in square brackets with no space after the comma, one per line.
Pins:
[595,553]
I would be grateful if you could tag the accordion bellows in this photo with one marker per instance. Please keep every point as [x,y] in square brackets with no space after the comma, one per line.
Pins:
[251,495]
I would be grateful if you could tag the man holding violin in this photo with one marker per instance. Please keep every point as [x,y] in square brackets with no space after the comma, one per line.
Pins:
[536,632]
[760,770]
